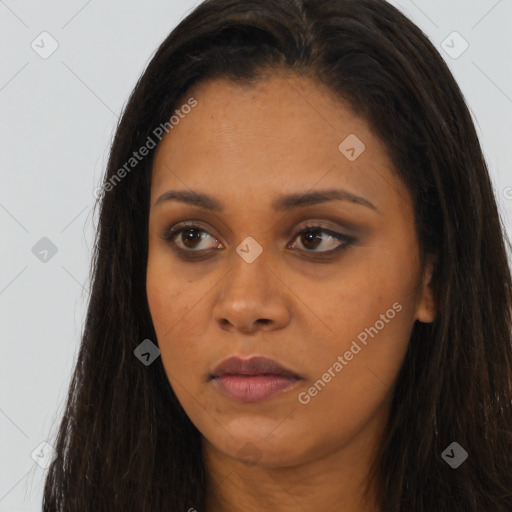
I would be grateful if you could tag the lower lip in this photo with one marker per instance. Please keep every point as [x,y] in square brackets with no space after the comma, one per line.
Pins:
[253,388]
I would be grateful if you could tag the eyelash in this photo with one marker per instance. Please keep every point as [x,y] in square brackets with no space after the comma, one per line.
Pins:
[172,233]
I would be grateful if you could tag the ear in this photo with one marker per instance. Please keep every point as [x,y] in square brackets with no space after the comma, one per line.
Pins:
[426,309]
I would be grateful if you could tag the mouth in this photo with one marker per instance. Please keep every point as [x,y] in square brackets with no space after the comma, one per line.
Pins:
[252,380]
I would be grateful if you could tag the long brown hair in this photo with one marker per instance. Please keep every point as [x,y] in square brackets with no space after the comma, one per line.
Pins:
[125,443]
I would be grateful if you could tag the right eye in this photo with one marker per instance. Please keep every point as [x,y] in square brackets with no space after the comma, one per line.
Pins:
[188,237]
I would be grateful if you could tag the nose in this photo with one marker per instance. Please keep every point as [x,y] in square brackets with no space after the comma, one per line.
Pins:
[252,297]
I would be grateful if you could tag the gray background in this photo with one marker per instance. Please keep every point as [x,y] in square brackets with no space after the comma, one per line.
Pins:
[57,120]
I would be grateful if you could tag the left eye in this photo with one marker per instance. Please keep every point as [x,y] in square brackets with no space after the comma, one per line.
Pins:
[311,238]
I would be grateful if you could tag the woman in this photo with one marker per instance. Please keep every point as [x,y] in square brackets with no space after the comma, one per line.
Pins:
[301,294]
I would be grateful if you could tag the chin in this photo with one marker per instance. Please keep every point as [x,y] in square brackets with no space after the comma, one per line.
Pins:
[254,447]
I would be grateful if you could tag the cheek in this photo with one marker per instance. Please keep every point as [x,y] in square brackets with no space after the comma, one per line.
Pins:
[361,305]
[342,395]
[168,293]
[370,315]
[177,314]
[164,301]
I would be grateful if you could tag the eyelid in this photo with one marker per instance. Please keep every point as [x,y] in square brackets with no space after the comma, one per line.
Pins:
[175,228]
[345,240]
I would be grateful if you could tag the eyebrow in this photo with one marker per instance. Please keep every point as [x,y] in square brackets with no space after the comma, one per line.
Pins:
[285,202]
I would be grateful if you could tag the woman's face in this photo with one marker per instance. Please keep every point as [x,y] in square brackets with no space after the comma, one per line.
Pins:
[335,305]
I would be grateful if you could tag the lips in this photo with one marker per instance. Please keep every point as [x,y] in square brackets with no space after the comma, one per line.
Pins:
[252,380]
[253,366]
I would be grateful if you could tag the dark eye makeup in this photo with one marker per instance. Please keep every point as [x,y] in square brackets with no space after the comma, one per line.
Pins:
[184,239]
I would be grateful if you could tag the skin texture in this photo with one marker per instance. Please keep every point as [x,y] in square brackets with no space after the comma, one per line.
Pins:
[245,146]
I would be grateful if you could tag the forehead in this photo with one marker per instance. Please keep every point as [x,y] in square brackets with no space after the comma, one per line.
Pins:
[282,133]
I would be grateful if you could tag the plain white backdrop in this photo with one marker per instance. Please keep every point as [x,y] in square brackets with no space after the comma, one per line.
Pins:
[58,113]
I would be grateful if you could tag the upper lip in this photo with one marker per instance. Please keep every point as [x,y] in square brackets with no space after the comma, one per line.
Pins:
[256,365]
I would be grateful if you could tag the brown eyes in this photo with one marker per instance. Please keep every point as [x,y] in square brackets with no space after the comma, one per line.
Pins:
[191,241]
